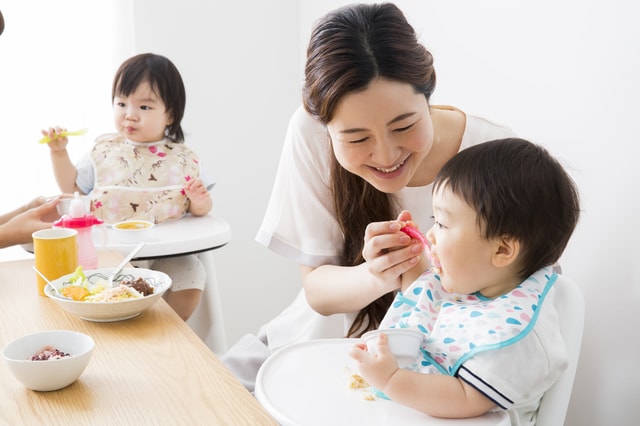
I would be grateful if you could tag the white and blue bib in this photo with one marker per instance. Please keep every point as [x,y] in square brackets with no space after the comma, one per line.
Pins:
[458,326]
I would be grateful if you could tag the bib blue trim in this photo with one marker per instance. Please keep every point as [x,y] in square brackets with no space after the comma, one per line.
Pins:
[454,324]
[550,281]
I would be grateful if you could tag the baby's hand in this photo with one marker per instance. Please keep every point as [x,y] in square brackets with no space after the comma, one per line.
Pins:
[58,142]
[376,368]
[199,197]
[195,190]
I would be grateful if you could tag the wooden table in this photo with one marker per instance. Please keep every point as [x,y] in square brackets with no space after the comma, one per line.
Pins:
[199,235]
[152,369]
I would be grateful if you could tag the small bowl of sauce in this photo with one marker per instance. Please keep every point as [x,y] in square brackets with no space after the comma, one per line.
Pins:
[132,231]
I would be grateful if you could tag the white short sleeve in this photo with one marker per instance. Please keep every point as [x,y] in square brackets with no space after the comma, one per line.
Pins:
[516,377]
[85,178]
[300,222]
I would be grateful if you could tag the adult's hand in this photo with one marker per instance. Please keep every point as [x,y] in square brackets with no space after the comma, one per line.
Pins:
[388,252]
[18,228]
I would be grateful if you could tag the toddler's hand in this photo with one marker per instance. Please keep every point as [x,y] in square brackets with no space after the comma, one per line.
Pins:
[376,368]
[58,143]
[195,190]
[199,197]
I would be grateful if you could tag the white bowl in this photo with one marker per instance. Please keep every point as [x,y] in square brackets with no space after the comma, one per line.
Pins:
[111,311]
[404,343]
[132,231]
[51,374]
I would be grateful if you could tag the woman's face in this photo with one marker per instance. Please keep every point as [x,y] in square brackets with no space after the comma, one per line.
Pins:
[382,134]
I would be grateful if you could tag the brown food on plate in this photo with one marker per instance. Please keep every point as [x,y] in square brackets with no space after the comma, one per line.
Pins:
[141,285]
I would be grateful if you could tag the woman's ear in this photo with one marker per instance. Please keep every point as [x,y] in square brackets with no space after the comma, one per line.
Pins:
[506,251]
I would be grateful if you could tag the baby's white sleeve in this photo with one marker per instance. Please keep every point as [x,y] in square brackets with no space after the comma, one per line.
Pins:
[86,174]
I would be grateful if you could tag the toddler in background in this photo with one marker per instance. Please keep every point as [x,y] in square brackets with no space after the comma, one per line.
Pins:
[504,211]
[144,171]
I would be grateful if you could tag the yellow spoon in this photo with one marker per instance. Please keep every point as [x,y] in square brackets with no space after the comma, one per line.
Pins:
[47,139]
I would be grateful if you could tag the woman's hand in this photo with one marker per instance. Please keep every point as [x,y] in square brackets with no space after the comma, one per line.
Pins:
[20,225]
[378,367]
[49,214]
[58,142]
[389,253]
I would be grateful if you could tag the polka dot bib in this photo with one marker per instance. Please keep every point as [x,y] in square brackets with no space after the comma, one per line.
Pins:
[458,326]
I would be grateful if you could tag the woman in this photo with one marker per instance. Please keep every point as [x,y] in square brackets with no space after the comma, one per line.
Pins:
[366,146]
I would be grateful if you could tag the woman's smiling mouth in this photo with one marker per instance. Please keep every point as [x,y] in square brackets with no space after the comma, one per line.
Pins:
[389,173]
[391,169]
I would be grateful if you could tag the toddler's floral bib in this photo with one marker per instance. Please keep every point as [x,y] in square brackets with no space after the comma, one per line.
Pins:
[458,326]
[141,180]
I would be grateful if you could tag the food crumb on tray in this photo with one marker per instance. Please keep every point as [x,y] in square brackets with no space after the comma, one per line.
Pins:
[356,382]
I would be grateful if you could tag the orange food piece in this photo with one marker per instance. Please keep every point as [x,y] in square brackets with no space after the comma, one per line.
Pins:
[75,292]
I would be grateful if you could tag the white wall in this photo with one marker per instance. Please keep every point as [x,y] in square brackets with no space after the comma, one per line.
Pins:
[241,69]
[563,74]
[55,70]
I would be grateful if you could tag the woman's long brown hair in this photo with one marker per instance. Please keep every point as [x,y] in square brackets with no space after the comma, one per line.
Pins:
[357,204]
[349,48]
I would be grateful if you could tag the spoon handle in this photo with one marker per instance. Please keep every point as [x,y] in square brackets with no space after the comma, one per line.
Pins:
[55,290]
[47,139]
[126,260]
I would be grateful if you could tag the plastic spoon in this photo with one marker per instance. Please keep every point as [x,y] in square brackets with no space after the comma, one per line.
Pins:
[55,290]
[47,139]
[126,260]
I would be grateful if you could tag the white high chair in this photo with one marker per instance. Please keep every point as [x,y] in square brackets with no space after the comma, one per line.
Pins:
[207,319]
[569,302]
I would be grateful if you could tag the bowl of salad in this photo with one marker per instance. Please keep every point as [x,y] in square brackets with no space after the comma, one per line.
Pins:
[88,295]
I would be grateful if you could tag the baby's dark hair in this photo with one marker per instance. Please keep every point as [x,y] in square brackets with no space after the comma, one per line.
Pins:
[518,190]
[165,81]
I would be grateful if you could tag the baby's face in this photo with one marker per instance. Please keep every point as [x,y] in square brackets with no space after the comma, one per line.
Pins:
[141,116]
[466,258]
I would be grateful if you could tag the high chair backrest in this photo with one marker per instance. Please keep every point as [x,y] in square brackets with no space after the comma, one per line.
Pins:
[569,302]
